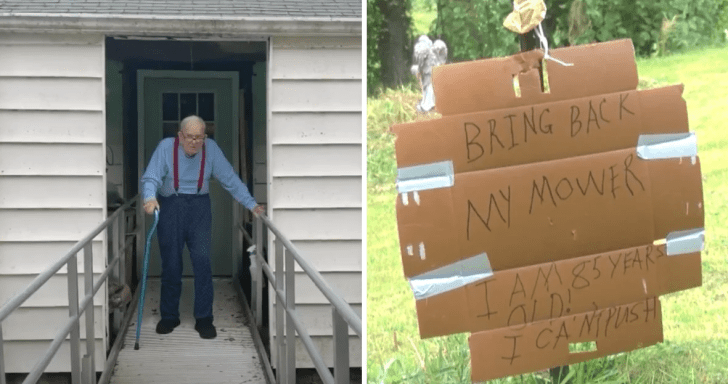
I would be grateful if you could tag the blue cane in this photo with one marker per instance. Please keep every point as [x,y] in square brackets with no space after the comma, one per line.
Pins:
[140,310]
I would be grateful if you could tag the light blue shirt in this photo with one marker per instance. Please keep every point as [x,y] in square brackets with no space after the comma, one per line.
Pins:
[159,175]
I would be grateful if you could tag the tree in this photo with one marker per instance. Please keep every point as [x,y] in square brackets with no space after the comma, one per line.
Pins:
[394,42]
[374,27]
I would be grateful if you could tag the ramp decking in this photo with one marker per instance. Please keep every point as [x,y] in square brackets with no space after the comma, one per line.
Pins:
[182,356]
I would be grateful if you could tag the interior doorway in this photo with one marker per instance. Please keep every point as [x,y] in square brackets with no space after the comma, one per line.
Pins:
[224,83]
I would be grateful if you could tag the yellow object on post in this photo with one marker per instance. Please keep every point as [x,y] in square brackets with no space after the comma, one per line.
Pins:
[526,15]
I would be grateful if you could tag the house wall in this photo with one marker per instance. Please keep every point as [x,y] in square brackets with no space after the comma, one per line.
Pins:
[315,174]
[52,183]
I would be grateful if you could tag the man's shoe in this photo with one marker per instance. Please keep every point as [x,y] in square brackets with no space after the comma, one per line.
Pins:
[205,328]
[165,326]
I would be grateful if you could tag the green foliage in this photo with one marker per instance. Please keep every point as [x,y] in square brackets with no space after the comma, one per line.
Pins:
[655,27]
[424,13]
[474,29]
[388,108]
[389,43]
[723,19]
[697,22]
[609,20]
[375,21]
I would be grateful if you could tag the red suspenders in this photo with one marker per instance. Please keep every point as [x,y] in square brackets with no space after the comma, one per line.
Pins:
[176,167]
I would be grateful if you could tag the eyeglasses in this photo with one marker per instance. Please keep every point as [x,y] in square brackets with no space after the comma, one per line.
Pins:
[193,139]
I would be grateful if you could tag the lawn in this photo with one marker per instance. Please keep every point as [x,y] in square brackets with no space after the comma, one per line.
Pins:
[695,349]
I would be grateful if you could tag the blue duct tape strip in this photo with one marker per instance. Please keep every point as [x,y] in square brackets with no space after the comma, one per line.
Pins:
[451,276]
[688,241]
[667,146]
[426,176]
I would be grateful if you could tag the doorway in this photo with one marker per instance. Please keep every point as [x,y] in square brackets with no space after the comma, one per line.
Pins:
[165,97]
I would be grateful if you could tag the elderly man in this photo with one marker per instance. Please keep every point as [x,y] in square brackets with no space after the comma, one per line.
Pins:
[180,170]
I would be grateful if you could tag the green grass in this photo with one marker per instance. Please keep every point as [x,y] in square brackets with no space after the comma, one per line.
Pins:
[695,321]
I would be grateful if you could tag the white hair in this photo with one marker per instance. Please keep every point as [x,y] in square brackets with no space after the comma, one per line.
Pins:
[190,119]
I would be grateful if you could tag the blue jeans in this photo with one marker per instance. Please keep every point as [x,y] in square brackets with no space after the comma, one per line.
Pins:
[185,219]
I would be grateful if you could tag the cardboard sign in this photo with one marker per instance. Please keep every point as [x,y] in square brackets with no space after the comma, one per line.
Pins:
[524,215]
[485,85]
[550,131]
[546,344]
[534,213]
[555,289]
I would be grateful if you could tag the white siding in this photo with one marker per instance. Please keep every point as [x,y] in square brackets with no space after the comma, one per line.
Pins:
[347,284]
[51,126]
[301,64]
[24,354]
[315,172]
[317,192]
[317,318]
[68,61]
[320,224]
[318,42]
[289,95]
[14,256]
[47,159]
[52,183]
[315,128]
[52,93]
[332,255]
[52,293]
[69,192]
[38,323]
[324,344]
[31,225]
[316,160]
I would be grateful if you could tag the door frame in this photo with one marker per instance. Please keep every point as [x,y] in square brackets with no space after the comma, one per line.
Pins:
[233,76]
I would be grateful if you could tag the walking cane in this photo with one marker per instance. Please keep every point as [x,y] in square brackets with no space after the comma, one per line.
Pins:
[140,309]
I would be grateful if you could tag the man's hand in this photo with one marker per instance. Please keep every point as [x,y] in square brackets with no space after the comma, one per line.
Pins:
[150,206]
[258,210]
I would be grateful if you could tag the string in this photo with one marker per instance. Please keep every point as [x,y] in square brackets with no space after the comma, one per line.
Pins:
[545,46]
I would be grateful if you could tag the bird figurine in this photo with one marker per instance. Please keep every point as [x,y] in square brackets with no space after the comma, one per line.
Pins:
[426,56]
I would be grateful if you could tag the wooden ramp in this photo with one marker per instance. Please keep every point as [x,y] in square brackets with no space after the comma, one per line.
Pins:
[182,356]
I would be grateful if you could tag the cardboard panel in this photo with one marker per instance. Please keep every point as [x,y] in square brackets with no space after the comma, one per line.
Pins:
[551,290]
[545,344]
[570,207]
[547,183]
[488,84]
[525,134]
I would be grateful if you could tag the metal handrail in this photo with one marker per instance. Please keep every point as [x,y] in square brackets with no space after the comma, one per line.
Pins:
[343,316]
[347,313]
[87,374]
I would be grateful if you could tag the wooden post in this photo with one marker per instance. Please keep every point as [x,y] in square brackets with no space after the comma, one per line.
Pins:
[528,42]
